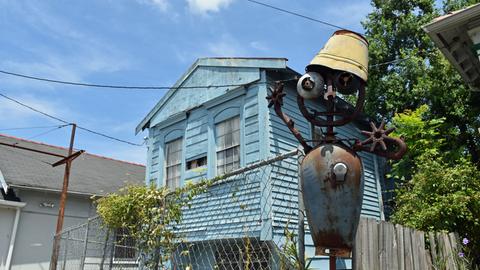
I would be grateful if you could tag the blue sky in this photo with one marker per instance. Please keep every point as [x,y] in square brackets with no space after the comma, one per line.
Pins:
[138,42]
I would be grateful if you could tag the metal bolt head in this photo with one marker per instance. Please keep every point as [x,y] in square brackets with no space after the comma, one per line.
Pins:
[340,170]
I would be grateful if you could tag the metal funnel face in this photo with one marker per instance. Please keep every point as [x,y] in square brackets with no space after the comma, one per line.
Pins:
[344,51]
[332,186]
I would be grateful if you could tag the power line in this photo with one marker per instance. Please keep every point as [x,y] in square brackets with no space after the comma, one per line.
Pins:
[68,123]
[24,128]
[46,132]
[297,14]
[33,109]
[114,86]
[136,87]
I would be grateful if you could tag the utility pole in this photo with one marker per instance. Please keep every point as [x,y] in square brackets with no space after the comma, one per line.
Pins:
[63,199]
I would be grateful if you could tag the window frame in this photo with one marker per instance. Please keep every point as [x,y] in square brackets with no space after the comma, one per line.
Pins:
[178,164]
[235,147]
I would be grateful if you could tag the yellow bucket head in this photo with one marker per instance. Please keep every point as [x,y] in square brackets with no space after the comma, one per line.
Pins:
[345,51]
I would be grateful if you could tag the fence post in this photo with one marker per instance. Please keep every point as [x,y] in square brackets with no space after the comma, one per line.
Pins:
[301,217]
[85,246]
[112,251]
[65,252]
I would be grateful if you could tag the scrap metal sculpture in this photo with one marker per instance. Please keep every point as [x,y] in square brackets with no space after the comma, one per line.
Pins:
[331,172]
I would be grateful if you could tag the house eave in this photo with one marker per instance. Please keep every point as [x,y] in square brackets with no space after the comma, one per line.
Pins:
[265,63]
[450,33]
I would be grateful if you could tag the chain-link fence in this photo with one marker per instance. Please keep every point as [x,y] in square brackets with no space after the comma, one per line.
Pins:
[241,222]
[92,246]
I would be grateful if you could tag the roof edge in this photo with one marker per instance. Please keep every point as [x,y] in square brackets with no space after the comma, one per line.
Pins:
[66,149]
[450,19]
[252,62]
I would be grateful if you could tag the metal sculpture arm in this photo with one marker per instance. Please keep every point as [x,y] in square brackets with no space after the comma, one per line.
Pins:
[379,137]
[276,100]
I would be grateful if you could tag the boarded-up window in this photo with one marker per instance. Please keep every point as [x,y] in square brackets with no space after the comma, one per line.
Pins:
[228,145]
[173,157]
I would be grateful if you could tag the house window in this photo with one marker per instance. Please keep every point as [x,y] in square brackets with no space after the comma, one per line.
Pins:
[173,157]
[228,145]
[195,163]
[124,245]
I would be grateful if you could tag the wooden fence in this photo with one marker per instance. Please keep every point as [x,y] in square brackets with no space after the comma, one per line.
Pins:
[381,245]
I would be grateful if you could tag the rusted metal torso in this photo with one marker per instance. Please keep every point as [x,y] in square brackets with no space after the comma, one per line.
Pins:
[334,201]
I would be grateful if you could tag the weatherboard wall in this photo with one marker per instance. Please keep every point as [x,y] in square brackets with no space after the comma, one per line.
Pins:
[214,215]
[192,115]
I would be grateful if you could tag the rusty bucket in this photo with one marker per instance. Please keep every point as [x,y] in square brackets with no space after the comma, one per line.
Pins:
[332,185]
[344,51]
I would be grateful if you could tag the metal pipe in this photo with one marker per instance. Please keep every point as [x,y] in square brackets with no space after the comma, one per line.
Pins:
[85,246]
[17,206]
[333,262]
[301,217]
[63,199]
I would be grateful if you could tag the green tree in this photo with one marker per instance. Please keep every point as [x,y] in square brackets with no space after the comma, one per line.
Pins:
[439,190]
[149,214]
[407,70]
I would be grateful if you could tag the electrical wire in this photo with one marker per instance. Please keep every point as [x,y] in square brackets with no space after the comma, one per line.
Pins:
[115,86]
[24,128]
[33,109]
[46,132]
[296,14]
[69,123]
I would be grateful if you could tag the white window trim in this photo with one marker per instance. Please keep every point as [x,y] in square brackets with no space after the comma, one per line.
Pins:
[177,184]
[239,130]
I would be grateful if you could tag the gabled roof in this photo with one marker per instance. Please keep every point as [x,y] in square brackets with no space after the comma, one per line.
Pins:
[457,35]
[90,174]
[267,63]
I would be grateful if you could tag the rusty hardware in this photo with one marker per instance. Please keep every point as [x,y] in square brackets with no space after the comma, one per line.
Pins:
[331,172]
[390,147]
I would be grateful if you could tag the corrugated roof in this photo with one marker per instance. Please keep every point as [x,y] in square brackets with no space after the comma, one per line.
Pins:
[90,174]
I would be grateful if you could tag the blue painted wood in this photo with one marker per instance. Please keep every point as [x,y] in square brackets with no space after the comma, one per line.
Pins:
[192,115]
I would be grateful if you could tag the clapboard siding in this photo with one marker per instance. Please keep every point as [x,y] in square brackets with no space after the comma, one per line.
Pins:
[219,215]
[263,204]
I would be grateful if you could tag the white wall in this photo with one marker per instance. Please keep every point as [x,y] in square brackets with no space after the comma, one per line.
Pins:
[7,217]
[33,245]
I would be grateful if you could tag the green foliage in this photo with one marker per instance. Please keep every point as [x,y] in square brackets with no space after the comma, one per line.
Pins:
[423,136]
[439,190]
[407,70]
[441,196]
[416,89]
[290,258]
[149,214]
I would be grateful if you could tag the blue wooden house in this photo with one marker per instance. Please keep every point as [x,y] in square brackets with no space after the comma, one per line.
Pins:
[201,132]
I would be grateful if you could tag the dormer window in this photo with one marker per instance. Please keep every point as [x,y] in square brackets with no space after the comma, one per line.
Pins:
[173,164]
[227,138]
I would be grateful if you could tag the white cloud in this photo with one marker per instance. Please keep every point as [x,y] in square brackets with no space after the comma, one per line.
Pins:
[357,11]
[226,46]
[14,115]
[259,45]
[128,153]
[202,7]
[162,5]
